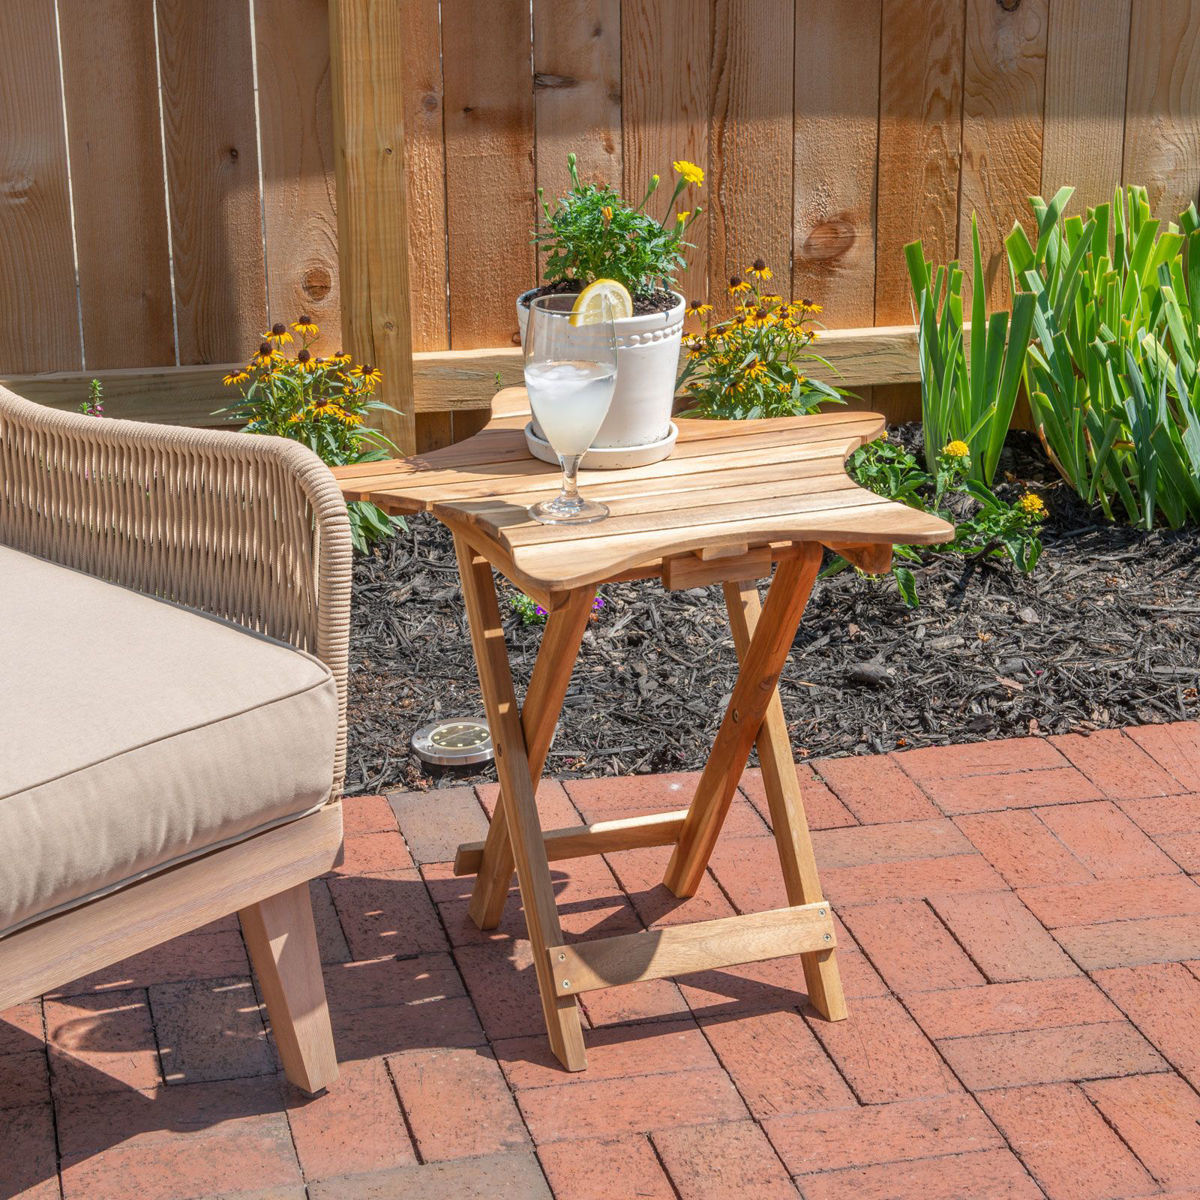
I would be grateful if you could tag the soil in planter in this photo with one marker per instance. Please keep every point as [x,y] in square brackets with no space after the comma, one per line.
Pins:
[656,301]
[1103,634]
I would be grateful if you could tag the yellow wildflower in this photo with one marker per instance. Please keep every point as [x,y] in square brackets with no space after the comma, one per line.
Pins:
[266,356]
[690,172]
[1032,507]
[681,217]
[737,285]
[305,361]
[305,326]
[956,449]
[698,308]
[367,375]
[235,377]
[757,369]
[759,270]
[277,335]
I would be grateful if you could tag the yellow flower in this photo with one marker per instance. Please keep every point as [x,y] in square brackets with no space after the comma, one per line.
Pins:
[305,326]
[306,362]
[295,418]
[1032,507]
[266,356]
[236,377]
[681,217]
[606,213]
[759,270]
[367,375]
[690,172]
[350,418]
[956,449]
[277,335]
[737,284]
[757,369]
[698,308]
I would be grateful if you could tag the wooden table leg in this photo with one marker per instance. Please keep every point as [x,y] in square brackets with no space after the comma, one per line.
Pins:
[752,693]
[543,702]
[824,983]
[517,799]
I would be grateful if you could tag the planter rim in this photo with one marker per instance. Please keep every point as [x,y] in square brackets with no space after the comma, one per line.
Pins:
[667,314]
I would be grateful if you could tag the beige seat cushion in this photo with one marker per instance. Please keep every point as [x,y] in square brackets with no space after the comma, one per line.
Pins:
[134,733]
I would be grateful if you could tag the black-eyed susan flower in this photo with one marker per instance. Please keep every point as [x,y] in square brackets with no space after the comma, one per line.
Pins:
[698,308]
[759,269]
[367,375]
[306,362]
[277,335]
[690,172]
[305,326]
[234,378]
[265,357]
[737,285]
[757,369]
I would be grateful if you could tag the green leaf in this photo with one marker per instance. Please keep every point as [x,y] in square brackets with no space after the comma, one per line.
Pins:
[907,584]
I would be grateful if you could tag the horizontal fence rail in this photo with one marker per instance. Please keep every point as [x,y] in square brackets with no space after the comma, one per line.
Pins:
[168,167]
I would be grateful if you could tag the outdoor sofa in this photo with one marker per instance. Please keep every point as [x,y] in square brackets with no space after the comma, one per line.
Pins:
[174,616]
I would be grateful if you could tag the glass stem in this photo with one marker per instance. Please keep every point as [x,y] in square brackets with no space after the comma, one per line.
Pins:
[570,470]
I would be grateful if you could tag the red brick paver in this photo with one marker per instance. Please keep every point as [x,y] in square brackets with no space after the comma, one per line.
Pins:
[1019,938]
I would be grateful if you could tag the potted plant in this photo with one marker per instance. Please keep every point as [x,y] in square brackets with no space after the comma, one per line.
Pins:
[593,234]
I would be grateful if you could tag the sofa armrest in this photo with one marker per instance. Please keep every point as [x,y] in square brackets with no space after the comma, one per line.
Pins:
[249,528]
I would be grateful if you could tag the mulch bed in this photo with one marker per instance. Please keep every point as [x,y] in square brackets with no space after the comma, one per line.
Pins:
[1102,634]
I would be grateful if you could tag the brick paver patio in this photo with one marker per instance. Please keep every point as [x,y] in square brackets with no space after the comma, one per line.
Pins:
[1021,951]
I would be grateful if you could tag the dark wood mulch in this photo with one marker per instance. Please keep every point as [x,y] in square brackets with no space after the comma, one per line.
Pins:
[1103,634]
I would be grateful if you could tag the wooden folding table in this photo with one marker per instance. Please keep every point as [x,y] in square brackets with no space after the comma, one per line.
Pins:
[735,498]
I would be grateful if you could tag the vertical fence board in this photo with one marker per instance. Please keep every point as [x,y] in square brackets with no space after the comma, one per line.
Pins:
[1004,79]
[577,91]
[39,330]
[489,167]
[666,48]
[836,144]
[1087,60]
[425,165]
[749,187]
[366,40]
[116,170]
[920,110]
[299,194]
[212,178]
[1162,117]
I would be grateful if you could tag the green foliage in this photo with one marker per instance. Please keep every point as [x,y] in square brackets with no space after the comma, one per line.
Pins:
[530,612]
[753,364]
[985,525]
[593,233]
[321,402]
[1112,372]
[966,398]
[93,406]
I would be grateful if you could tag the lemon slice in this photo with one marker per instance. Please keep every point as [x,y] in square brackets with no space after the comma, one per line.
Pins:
[589,306]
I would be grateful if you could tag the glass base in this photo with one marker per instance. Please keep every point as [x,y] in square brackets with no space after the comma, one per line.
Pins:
[568,510]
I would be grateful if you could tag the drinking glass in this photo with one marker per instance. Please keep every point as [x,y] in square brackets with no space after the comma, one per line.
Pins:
[570,373]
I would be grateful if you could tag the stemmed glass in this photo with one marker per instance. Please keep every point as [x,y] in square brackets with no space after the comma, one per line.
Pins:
[570,373]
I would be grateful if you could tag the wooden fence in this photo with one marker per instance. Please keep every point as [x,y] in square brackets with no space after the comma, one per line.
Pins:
[167,168]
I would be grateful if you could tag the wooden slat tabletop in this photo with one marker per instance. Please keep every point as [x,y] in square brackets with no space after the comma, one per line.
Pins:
[727,484]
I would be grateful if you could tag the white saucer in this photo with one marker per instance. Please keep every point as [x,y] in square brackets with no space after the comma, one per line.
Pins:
[607,458]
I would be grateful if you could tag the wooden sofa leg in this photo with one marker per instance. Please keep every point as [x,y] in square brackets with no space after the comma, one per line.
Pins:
[282,941]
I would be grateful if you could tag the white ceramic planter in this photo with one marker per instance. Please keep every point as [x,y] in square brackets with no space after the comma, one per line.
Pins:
[647,367]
